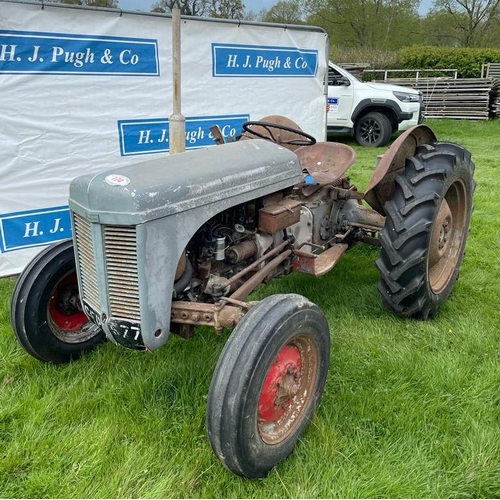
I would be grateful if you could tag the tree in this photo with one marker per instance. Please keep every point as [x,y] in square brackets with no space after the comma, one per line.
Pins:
[187,7]
[227,9]
[381,24]
[472,19]
[223,9]
[286,12]
[439,29]
[251,15]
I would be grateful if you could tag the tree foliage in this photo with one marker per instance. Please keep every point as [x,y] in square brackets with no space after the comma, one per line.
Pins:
[471,20]
[187,7]
[286,12]
[392,24]
[366,23]
[227,9]
[251,15]
[223,9]
[467,61]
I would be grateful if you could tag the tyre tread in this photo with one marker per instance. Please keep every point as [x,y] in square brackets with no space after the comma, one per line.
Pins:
[26,296]
[229,387]
[410,212]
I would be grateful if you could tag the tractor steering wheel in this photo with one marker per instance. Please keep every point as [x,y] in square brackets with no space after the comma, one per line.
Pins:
[308,140]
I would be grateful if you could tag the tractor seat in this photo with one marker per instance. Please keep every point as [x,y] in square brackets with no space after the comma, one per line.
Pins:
[326,162]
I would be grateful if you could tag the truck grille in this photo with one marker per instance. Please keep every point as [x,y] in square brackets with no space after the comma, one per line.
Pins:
[120,251]
[86,261]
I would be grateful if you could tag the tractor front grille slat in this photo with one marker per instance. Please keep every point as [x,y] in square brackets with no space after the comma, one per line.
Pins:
[120,250]
[113,268]
[86,261]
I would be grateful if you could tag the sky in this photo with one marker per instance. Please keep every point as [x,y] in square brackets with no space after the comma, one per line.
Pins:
[255,5]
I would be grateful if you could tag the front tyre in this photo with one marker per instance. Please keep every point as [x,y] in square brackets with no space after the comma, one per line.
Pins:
[46,312]
[267,384]
[426,228]
[373,129]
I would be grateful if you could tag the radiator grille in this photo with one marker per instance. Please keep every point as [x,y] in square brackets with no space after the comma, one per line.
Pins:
[86,261]
[120,249]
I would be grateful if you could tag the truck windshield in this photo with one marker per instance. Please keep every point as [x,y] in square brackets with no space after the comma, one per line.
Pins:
[335,76]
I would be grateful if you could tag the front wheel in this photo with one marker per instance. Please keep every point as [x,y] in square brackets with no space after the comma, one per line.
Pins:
[267,384]
[426,228]
[373,129]
[46,312]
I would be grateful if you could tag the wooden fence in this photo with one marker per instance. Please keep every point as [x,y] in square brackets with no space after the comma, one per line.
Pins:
[491,70]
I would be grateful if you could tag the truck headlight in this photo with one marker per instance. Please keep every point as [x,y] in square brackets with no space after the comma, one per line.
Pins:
[406,97]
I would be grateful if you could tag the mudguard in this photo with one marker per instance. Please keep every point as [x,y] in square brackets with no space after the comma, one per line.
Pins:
[381,185]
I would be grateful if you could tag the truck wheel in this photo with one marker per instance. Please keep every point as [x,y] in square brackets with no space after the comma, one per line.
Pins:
[373,129]
[267,384]
[46,312]
[426,228]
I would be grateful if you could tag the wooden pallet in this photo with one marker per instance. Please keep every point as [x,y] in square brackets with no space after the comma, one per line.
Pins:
[495,99]
[465,98]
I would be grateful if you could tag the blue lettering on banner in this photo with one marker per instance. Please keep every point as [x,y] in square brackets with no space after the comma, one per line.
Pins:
[262,61]
[138,137]
[67,54]
[333,100]
[34,228]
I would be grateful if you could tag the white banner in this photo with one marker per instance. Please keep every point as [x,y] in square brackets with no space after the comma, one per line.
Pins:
[86,90]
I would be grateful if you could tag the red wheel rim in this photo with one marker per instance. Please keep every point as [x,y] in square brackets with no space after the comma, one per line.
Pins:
[287,389]
[280,385]
[64,306]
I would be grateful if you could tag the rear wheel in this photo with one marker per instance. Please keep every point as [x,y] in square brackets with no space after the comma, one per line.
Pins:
[267,384]
[426,228]
[373,129]
[46,312]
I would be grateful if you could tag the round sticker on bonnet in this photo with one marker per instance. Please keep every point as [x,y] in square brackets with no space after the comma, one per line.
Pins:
[117,180]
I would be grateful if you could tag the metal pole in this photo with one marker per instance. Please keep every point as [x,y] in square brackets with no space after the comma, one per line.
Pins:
[177,128]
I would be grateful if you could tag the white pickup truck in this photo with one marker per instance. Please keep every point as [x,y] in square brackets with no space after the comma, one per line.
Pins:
[371,112]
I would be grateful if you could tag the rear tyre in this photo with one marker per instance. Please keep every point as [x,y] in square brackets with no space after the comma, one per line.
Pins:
[46,312]
[426,228]
[267,384]
[373,129]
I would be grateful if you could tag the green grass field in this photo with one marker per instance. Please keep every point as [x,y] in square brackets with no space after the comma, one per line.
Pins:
[411,408]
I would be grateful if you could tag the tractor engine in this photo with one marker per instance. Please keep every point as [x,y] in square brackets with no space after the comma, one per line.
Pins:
[233,240]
